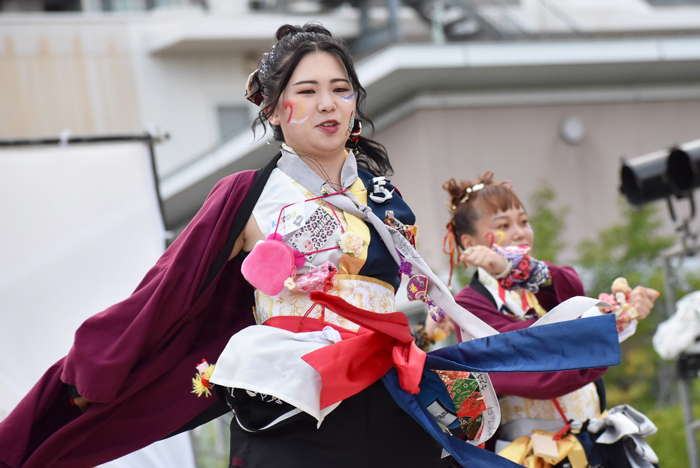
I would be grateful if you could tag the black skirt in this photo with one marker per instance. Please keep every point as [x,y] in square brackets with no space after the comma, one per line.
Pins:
[368,430]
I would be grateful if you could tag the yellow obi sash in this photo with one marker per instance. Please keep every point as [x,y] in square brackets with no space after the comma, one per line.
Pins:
[578,405]
[523,452]
[360,291]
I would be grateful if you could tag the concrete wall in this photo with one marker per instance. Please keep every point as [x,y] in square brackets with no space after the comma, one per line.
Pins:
[70,75]
[522,144]
[96,76]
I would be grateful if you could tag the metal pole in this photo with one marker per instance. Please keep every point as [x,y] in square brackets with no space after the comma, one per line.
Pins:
[684,383]
[685,395]
[394,6]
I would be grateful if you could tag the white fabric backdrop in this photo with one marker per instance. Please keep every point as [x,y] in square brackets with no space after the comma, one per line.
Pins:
[80,227]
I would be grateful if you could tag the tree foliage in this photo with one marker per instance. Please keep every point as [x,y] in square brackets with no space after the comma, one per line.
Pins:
[629,248]
[548,223]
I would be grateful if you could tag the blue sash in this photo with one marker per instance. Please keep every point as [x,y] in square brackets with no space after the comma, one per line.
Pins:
[576,344]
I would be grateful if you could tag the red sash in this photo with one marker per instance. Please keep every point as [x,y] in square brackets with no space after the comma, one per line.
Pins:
[362,357]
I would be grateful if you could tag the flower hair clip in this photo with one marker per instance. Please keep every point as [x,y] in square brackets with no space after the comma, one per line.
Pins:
[470,190]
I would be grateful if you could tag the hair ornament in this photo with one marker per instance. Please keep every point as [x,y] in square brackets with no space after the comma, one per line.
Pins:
[253,88]
[470,190]
[451,248]
[355,132]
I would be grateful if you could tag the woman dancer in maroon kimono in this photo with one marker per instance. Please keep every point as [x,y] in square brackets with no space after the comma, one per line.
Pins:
[488,221]
[130,368]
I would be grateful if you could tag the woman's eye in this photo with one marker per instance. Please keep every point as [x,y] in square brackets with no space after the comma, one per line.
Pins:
[502,227]
[307,91]
[341,90]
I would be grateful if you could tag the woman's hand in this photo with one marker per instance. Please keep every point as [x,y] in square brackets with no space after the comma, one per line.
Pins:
[444,324]
[481,256]
[643,300]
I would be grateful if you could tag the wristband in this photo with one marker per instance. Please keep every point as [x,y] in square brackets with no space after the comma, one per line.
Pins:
[506,271]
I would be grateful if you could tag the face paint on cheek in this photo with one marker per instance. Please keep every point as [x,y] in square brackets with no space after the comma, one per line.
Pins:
[490,237]
[351,123]
[296,109]
[348,99]
[498,237]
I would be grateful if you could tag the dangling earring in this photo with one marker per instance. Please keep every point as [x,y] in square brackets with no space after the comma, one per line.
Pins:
[356,130]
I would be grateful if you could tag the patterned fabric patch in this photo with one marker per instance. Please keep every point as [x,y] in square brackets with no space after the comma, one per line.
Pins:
[467,400]
[321,231]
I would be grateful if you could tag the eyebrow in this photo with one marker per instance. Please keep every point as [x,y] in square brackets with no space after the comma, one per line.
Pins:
[334,80]
[522,213]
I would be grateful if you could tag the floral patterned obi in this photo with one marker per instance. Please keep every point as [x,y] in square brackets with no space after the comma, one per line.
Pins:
[360,291]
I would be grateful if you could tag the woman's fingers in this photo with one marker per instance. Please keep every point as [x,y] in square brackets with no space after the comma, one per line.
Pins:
[643,300]
[483,257]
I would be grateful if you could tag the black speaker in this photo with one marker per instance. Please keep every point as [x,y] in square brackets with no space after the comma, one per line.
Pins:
[683,168]
[643,179]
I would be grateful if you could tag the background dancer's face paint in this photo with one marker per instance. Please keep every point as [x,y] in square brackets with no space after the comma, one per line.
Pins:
[316,106]
[510,227]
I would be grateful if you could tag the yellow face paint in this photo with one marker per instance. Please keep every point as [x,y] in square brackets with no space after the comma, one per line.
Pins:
[498,237]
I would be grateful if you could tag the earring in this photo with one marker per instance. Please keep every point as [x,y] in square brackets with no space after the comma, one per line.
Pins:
[356,130]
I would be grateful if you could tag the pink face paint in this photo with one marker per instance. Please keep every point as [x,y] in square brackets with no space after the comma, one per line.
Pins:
[290,106]
[296,109]
[490,237]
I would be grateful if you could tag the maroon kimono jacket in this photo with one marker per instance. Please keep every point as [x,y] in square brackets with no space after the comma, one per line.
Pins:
[535,385]
[136,360]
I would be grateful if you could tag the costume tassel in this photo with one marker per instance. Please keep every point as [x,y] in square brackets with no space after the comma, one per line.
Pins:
[200,383]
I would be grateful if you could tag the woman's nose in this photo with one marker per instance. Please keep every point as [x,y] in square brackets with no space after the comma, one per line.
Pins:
[518,232]
[326,102]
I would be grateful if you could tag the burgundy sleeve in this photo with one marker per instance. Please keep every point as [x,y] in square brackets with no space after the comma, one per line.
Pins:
[565,284]
[535,385]
[109,345]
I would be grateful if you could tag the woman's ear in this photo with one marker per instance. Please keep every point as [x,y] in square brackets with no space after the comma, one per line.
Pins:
[467,241]
[274,116]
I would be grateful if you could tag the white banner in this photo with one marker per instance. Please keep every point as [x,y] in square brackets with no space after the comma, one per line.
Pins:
[81,226]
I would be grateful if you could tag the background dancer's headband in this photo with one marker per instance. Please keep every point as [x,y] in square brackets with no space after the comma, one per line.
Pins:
[469,191]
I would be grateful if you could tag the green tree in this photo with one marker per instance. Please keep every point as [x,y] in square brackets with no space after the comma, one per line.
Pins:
[548,223]
[630,249]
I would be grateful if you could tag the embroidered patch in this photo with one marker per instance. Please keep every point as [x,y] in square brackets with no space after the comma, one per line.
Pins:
[467,400]
[378,192]
[408,232]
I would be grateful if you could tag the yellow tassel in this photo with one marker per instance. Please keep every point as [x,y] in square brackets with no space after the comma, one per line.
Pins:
[200,383]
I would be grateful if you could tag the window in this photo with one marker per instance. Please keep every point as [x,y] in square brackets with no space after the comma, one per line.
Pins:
[233,119]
